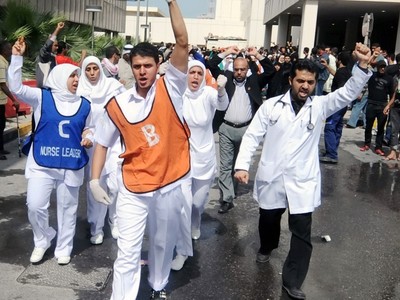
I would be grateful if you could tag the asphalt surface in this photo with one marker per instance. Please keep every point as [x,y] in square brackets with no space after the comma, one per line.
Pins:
[360,212]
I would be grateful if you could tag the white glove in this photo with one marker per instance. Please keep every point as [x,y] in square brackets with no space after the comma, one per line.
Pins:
[98,193]
[221,82]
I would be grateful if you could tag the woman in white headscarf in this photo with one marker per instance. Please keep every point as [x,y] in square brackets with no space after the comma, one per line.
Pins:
[57,156]
[199,106]
[98,89]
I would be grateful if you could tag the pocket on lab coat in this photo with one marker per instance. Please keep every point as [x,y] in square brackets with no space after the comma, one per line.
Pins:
[304,170]
[265,172]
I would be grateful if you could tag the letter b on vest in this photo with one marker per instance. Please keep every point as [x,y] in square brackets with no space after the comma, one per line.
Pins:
[151,136]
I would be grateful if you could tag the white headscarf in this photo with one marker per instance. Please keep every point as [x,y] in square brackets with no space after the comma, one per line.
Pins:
[104,87]
[195,94]
[57,82]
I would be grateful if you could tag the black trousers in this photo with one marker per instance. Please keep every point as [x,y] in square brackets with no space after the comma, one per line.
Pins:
[375,112]
[297,261]
[2,125]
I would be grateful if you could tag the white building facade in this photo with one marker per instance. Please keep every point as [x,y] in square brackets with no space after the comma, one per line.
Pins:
[236,22]
[305,23]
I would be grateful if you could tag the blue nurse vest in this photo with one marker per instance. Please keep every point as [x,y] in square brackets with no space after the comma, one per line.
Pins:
[57,138]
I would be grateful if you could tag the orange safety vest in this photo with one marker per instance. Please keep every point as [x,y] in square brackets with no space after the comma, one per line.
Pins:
[156,148]
[210,80]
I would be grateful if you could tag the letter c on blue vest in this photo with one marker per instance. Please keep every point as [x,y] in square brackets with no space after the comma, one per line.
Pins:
[60,129]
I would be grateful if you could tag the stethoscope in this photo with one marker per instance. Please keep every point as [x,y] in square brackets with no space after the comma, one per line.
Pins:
[273,121]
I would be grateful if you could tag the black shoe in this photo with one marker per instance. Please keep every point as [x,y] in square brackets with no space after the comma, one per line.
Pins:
[328,160]
[162,295]
[3,157]
[4,152]
[349,126]
[263,258]
[294,292]
[225,206]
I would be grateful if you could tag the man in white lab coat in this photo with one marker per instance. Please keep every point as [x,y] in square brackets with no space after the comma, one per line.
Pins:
[288,174]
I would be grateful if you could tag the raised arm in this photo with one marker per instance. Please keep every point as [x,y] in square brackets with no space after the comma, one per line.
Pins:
[23,92]
[46,51]
[268,67]
[180,55]
[216,59]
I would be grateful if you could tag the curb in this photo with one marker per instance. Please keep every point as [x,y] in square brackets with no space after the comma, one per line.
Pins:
[11,134]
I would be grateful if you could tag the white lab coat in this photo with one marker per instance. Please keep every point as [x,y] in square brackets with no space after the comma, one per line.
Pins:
[288,172]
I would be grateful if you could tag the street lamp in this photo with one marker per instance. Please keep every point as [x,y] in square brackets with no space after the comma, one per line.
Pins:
[137,20]
[147,20]
[93,9]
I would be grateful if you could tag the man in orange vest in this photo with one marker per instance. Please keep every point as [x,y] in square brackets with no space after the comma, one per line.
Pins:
[155,165]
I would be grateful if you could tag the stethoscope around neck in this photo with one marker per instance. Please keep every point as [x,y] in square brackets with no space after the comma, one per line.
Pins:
[273,121]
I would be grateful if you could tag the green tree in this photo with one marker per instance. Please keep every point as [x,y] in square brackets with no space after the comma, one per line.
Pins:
[22,20]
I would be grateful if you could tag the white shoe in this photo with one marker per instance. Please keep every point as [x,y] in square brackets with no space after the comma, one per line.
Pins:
[64,260]
[114,230]
[178,262]
[37,254]
[97,239]
[196,233]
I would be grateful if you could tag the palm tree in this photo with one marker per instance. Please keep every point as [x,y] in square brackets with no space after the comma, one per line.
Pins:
[22,20]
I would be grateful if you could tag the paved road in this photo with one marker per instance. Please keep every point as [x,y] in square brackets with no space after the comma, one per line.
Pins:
[360,212]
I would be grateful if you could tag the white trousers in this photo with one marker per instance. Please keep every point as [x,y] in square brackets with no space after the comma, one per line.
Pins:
[38,202]
[184,246]
[162,214]
[196,200]
[96,211]
[200,191]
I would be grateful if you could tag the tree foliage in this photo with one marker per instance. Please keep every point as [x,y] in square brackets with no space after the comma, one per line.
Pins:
[23,20]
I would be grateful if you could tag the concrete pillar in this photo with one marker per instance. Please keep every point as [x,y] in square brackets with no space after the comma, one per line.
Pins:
[283,24]
[397,46]
[351,35]
[308,25]
[267,36]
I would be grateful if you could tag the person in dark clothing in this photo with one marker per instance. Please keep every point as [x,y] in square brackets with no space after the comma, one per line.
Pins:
[46,59]
[394,69]
[393,108]
[334,124]
[294,56]
[380,87]
[275,87]
[286,68]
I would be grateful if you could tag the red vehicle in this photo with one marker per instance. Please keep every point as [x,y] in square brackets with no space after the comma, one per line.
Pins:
[24,109]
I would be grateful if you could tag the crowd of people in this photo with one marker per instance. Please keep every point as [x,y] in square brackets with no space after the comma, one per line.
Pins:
[139,127]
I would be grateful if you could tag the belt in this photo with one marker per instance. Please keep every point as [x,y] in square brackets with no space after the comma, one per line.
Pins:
[237,125]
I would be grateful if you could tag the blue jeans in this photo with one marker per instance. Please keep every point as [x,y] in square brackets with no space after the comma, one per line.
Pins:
[333,133]
[358,108]
[319,89]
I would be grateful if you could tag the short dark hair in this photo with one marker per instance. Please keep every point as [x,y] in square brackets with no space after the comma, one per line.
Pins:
[398,58]
[145,49]
[111,50]
[61,46]
[344,57]
[376,45]
[304,64]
